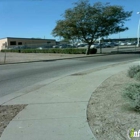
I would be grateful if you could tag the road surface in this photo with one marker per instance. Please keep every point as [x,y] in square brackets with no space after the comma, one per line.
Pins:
[14,77]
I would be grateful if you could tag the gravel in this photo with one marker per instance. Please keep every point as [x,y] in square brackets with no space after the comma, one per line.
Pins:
[29,57]
[110,117]
[7,113]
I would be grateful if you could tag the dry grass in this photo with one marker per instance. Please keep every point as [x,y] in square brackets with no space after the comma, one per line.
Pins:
[109,115]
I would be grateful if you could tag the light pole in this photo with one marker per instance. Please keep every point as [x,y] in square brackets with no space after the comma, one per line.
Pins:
[5,44]
[119,43]
[138,32]
[100,45]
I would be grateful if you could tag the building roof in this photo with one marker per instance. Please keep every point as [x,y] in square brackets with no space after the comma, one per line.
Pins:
[25,38]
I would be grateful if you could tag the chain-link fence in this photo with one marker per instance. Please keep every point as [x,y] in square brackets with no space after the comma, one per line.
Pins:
[118,47]
[103,47]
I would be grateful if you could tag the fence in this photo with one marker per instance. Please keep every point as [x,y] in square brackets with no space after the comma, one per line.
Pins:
[118,47]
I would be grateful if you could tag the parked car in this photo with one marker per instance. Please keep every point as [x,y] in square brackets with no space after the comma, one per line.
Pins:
[55,46]
[40,48]
[131,43]
[82,45]
[116,43]
[106,45]
[128,43]
[14,48]
[96,45]
[44,47]
[134,43]
[65,46]
[123,43]
[18,48]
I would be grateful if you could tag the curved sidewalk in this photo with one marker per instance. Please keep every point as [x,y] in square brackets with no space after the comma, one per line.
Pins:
[57,111]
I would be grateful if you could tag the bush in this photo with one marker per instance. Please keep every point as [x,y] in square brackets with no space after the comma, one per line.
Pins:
[137,76]
[93,51]
[132,94]
[133,70]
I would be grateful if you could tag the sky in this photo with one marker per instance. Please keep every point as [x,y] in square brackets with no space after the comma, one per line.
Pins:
[37,18]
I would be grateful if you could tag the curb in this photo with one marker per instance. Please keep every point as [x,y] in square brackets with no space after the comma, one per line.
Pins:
[55,59]
[125,52]
[103,54]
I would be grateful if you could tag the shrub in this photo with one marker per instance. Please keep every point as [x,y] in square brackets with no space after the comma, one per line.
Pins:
[93,51]
[132,94]
[137,76]
[133,70]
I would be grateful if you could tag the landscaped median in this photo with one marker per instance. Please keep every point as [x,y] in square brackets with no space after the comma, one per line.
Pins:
[114,108]
[53,50]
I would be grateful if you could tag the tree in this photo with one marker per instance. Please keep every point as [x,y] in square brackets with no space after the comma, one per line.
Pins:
[88,22]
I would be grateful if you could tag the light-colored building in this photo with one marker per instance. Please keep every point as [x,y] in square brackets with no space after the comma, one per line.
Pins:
[10,42]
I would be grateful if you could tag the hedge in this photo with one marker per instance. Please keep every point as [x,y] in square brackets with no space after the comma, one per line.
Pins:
[56,50]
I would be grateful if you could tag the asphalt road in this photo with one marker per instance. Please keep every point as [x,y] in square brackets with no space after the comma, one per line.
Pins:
[14,77]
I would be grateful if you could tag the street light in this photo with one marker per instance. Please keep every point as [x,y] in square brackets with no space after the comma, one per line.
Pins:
[138,32]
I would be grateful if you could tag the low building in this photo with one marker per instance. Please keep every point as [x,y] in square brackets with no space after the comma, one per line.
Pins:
[11,42]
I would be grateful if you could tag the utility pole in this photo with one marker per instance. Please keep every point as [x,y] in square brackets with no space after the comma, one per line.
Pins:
[100,45]
[119,43]
[5,44]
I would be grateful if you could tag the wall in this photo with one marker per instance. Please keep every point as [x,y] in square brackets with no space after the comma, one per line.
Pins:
[31,41]
[2,43]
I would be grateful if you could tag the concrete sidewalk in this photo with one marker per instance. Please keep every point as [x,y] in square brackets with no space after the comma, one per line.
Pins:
[57,110]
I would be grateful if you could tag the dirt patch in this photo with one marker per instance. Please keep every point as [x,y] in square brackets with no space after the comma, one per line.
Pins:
[29,57]
[7,113]
[110,117]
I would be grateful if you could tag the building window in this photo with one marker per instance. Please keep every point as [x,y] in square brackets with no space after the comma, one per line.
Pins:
[19,43]
[48,42]
[12,42]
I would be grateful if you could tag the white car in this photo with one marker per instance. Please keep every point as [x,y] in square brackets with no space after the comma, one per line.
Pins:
[97,45]
[106,45]
[122,43]
[84,45]
[130,43]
